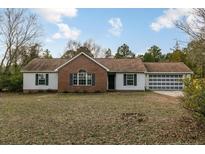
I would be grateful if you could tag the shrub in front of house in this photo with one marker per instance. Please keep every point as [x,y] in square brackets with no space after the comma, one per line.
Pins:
[194,95]
[11,82]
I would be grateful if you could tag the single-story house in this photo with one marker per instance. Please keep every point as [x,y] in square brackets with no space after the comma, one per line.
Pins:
[83,73]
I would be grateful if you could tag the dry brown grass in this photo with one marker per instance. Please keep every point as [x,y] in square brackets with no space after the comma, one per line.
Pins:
[104,118]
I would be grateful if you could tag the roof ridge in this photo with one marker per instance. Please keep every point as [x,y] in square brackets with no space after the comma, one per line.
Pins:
[50,58]
[120,58]
[162,62]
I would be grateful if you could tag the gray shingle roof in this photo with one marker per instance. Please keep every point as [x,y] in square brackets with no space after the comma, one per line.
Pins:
[39,64]
[167,67]
[122,65]
[114,65]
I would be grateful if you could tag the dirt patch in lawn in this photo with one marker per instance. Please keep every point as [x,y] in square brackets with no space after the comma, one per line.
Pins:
[135,117]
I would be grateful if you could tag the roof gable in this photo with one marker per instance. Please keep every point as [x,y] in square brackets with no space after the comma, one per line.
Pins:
[82,53]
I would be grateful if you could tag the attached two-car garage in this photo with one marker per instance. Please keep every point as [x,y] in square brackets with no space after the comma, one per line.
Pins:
[166,76]
[164,81]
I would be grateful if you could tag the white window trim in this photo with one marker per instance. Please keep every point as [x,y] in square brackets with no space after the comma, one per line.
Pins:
[130,79]
[44,76]
[86,80]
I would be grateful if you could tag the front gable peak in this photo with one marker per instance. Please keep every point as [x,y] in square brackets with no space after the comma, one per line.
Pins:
[87,56]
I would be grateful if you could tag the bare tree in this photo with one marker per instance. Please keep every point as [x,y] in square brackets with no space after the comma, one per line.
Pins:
[17,29]
[196,29]
[196,26]
[93,47]
[73,47]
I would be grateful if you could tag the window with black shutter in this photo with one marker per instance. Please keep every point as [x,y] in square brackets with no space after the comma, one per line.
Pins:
[93,79]
[36,79]
[71,79]
[124,80]
[47,79]
[130,79]
[42,79]
[135,79]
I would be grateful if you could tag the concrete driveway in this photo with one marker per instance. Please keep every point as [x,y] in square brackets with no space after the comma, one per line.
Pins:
[171,93]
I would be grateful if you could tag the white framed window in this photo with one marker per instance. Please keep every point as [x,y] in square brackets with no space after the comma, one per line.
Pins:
[82,78]
[89,79]
[130,79]
[75,79]
[41,79]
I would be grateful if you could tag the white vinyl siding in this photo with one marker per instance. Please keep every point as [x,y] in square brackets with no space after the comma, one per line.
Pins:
[119,84]
[29,82]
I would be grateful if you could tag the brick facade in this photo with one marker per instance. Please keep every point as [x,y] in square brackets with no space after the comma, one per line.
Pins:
[82,63]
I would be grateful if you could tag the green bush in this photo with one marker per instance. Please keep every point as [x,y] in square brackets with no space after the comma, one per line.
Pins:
[194,95]
[11,81]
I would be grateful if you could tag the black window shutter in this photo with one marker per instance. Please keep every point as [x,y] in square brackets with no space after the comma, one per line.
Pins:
[71,79]
[93,79]
[124,79]
[36,79]
[135,79]
[47,79]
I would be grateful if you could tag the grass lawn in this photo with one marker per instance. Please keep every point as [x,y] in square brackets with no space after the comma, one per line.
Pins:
[104,118]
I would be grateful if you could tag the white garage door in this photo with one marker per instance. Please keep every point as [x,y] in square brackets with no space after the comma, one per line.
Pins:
[165,82]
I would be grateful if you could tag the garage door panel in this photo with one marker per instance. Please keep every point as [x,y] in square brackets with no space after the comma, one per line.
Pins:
[165,82]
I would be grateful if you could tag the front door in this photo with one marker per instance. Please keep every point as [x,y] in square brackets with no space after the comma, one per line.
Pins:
[111,81]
